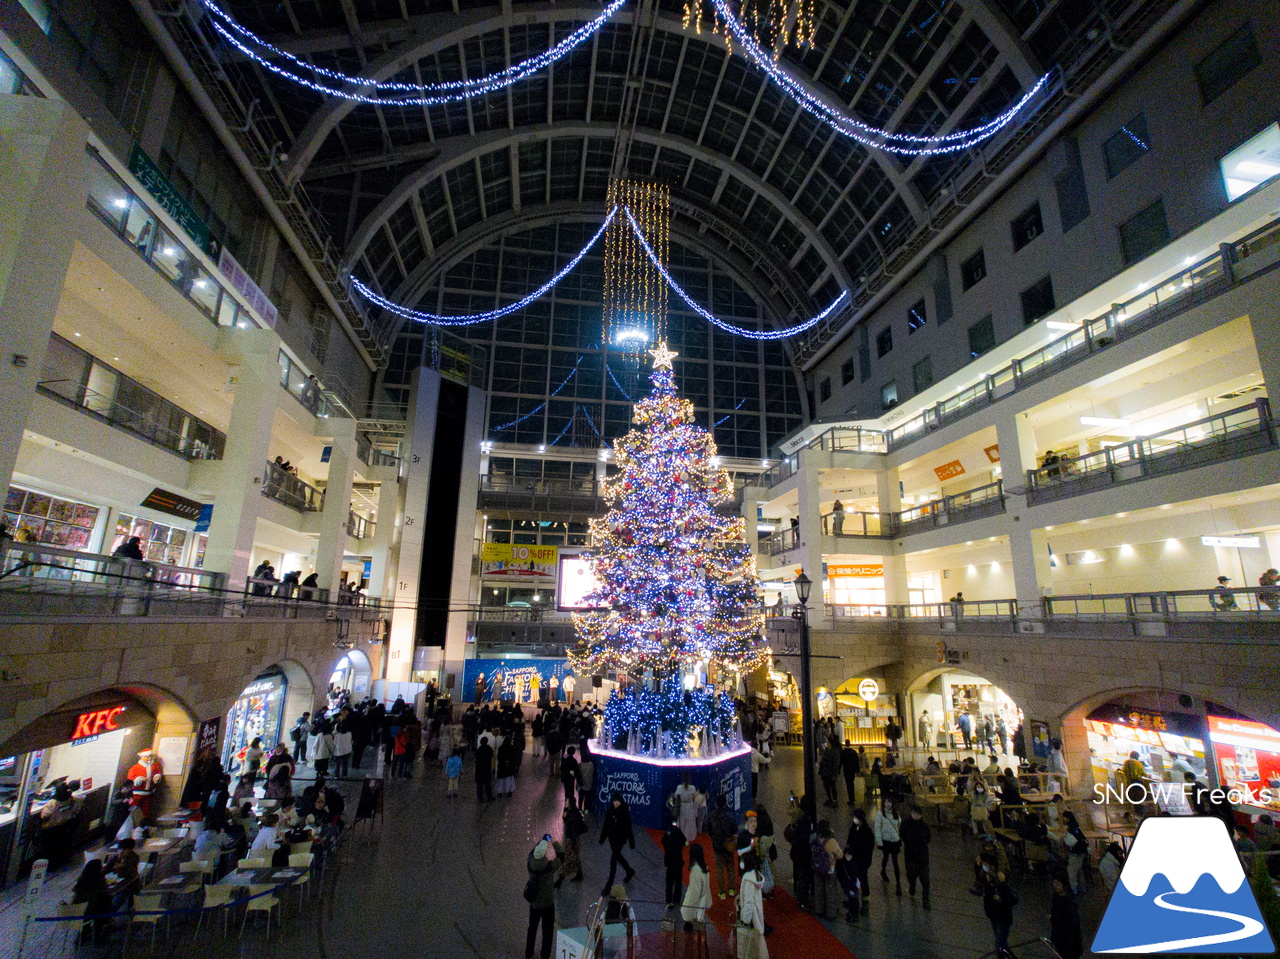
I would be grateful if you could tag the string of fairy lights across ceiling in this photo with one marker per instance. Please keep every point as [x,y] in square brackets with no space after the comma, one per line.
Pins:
[750,27]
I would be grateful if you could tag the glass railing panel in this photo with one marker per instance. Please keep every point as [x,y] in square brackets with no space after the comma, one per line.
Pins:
[108,196]
[204,293]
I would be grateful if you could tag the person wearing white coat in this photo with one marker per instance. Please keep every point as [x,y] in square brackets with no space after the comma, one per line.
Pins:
[697,900]
[751,927]
[886,826]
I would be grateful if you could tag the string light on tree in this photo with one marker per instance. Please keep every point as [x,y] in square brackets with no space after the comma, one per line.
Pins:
[635,298]
[677,581]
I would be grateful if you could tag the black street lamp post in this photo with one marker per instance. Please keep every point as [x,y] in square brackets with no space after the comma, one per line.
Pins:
[803,586]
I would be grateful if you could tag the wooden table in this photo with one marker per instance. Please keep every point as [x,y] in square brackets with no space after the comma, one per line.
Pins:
[937,801]
[1124,833]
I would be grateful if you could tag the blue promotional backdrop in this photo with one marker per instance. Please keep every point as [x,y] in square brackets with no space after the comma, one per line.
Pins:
[646,786]
[514,680]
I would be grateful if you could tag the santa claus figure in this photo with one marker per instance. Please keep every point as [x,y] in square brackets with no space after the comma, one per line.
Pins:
[145,775]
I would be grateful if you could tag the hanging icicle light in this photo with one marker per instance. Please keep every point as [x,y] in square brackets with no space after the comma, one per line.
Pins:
[772,23]
[635,294]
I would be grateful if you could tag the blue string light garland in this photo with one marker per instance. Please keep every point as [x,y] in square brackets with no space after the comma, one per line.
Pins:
[727,415]
[624,393]
[424,94]
[538,409]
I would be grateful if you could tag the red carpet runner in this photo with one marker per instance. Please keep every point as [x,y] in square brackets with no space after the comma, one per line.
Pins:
[796,934]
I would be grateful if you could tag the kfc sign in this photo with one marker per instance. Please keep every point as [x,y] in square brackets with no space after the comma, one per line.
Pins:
[97,722]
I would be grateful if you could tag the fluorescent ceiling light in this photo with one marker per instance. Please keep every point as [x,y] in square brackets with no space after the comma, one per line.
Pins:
[1104,421]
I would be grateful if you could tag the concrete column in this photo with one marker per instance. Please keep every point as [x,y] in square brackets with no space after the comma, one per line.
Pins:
[419,439]
[889,500]
[464,548]
[383,566]
[811,537]
[1268,349]
[1027,549]
[337,502]
[237,497]
[43,169]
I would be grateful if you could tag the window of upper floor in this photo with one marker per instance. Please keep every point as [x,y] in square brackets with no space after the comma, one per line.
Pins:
[889,395]
[848,370]
[1026,226]
[884,341]
[917,317]
[824,390]
[982,336]
[1037,300]
[1126,146]
[1226,64]
[922,374]
[1253,163]
[973,269]
[1144,233]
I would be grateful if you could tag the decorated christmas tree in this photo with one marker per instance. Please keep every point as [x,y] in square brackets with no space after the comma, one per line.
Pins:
[678,594]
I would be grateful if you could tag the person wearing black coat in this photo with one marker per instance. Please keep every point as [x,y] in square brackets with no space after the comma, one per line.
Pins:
[673,844]
[915,853]
[617,830]
[569,776]
[1064,921]
[998,900]
[484,772]
[862,840]
[800,835]
[850,766]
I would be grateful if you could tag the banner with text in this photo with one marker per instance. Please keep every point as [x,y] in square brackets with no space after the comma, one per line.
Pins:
[507,561]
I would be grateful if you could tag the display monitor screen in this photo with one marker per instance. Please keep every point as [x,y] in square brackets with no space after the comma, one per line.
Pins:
[575,582]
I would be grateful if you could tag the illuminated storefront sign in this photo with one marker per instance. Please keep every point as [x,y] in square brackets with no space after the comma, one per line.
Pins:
[97,722]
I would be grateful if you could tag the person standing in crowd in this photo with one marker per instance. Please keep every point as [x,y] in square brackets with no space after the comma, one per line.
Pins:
[828,769]
[964,722]
[837,519]
[887,826]
[751,926]
[321,745]
[862,842]
[998,900]
[850,766]
[484,772]
[687,814]
[298,734]
[540,893]
[586,774]
[537,730]
[697,900]
[1268,593]
[847,876]
[915,854]
[723,832]
[800,835]
[748,838]
[575,827]
[617,831]
[508,763]
[1133,783]
[569,777]
[673,844]
[342,747]
[765,847]
[452,772]
[826,884]
[1064,921]
[555,746]
[1077,852]
[924,730]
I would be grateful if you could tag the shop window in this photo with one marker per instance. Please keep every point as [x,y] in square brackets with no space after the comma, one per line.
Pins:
[160,543]
[1226,64]
[49,520]
[1144,233]
[889,395]
[848,370]
[916,317]
[922,374]
[1026,226]
[1126,146]
[824,390]
[884,341]
[982,337]
[1254,162]
[973,269]
[1037,300]
[257,713]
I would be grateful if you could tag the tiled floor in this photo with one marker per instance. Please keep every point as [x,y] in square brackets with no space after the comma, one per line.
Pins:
[443,878]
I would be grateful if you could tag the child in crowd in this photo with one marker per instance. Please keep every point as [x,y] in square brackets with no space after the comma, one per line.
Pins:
[453,771]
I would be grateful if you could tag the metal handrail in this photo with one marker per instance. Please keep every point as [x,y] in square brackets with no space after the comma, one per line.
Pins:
[359,526]
[1245,602]
[1153,455]
[536,485]
[284,487]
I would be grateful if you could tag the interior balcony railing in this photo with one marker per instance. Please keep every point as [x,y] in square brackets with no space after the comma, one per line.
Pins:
[973,504]
[853,439]
[541,494]
[1214,439]
[1234,263]
[1214,605]
[284,487]
[154,419]
[359,526]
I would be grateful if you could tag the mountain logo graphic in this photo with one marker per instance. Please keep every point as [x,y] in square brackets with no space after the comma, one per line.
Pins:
[1182,889]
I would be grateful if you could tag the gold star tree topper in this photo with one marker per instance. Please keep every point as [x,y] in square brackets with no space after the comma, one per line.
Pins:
[662,356]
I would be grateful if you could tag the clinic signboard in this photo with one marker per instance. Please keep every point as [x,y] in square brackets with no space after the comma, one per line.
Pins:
[518,681]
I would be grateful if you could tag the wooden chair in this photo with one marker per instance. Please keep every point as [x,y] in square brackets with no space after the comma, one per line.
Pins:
[260,900]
